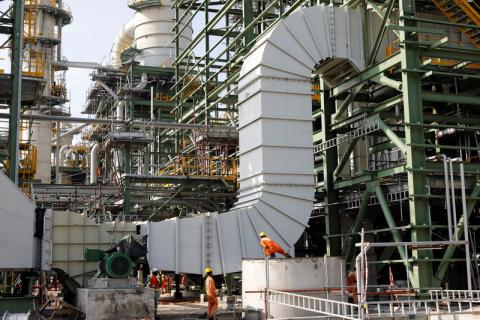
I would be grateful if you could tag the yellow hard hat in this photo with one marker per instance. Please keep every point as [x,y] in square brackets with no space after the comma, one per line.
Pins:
[207,270]
[262,234]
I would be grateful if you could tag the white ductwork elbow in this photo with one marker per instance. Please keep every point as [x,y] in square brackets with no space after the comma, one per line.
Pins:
[123,41]
[94,163]
[68,156]
[276,165]
[62,152]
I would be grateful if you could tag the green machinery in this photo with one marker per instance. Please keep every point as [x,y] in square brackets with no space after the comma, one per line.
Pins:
[114,265]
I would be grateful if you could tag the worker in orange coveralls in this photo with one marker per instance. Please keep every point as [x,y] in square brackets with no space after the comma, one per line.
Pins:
[164,284]
[211,293]
[270,247]
[153,282]
[352,287]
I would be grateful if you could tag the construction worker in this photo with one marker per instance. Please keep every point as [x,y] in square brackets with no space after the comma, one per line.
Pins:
[270,247]
[352,287]
[153,281]
[211,291]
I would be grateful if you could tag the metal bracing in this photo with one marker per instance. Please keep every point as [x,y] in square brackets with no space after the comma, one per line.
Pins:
[329,163]
[15,104]
[406,133]
[415,157]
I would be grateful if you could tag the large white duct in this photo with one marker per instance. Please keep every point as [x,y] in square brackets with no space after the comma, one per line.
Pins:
[276,155]
[123,41]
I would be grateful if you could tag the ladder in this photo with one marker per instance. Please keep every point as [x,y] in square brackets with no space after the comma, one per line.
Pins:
[464,12]
[364,130]
[30,20]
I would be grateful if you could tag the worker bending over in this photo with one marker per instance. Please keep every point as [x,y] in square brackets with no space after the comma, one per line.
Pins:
[211,293]
[270,247]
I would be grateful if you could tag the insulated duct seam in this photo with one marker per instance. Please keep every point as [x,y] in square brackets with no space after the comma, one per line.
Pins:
[276,148]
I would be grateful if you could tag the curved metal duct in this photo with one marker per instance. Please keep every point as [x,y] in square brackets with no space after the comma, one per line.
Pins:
[276,155]
[123,41]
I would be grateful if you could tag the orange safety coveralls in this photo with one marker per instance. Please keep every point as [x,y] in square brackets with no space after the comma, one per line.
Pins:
[153,283]
[211,295]
[270,247]
[352,286]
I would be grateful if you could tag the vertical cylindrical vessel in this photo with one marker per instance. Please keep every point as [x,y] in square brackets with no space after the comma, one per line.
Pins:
[154,21]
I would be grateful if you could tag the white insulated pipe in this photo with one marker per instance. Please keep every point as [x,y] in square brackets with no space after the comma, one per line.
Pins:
[123,41]
[63,150]
[276,147]
[68,156]
[94,163]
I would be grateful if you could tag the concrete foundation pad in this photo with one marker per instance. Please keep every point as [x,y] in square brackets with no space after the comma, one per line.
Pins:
[117,304]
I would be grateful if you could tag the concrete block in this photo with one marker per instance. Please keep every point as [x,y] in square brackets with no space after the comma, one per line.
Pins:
[118,304]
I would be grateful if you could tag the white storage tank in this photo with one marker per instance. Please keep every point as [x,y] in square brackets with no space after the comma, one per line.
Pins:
[304,276]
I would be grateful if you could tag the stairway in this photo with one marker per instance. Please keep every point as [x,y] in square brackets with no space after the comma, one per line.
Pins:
[464,12]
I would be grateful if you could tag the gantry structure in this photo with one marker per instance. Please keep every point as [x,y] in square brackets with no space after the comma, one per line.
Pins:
[381,134]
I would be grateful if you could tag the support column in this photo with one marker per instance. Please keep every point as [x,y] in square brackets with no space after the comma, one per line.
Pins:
[330,161]
[16,102]
[413,113]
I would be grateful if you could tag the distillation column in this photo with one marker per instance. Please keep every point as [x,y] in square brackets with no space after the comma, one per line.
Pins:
[43,21]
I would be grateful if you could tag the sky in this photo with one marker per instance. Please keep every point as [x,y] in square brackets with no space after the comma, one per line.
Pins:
[90,38]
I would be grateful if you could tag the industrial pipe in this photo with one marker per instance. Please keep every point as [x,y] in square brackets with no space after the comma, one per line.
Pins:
[133,123]
[465,225]
[123,41]
[63,150]
[94,163]
[68,156]
[454,207]
[447,192]
[70,132]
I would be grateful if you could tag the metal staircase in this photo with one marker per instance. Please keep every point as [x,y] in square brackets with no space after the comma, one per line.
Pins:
[463,12]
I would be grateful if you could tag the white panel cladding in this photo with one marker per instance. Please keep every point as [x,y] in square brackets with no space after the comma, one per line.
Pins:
[17,216]
[276,156]
[75,232]
[291,274]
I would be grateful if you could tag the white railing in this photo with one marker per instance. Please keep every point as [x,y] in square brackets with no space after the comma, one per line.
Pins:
[430,307]
[338,309]
[441,302]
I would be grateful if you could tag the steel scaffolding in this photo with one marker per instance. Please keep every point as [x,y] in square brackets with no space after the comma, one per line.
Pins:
[376,130]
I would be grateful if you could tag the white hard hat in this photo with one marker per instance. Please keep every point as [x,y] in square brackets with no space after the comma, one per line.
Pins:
[154,270]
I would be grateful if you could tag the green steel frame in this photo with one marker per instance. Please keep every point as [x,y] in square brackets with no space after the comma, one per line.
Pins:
[406,123]
[15,104]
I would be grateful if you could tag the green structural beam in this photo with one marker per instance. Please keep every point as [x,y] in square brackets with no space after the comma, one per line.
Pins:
[392,136]
[349,246]
[346,155]
[330,159]
[16,102]
[397,237]
[415,157]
